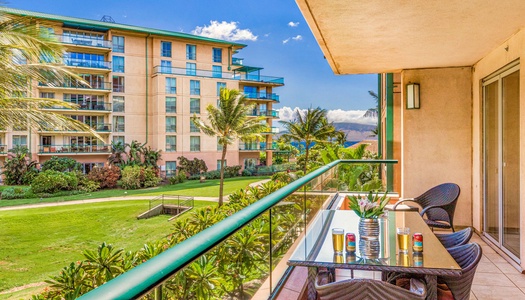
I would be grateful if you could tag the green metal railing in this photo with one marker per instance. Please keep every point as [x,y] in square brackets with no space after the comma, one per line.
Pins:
[286,213]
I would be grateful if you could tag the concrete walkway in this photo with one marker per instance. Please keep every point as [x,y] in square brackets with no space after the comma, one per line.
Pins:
[131,197]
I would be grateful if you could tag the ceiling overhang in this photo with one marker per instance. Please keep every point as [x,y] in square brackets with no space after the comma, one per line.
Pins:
[374,36]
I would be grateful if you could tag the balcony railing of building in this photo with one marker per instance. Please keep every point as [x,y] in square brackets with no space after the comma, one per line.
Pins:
[264,113]
[89,106]
[289,210]
[263,96]
[100,85]
[237,61]
[84,63]
[271,130]
[214,74]
[256,146]
[53,149]
[84,41]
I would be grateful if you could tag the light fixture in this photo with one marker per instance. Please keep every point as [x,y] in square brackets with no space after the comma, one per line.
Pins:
[413,96]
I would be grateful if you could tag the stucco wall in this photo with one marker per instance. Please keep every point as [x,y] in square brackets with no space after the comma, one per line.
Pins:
[437,138]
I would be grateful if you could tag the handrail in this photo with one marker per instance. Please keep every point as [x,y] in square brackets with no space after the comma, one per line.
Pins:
[151,273]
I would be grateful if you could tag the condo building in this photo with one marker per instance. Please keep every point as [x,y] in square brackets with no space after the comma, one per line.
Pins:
[145,85]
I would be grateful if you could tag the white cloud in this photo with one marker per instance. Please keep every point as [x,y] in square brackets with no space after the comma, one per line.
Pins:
[225,31]
[292,24]
[336,115]
[297,38]
[286,41]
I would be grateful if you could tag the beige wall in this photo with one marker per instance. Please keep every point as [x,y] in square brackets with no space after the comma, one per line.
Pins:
[436,139]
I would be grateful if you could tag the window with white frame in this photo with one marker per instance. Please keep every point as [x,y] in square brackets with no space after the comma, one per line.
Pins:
[217,55]
[165,66]
[195,143]
[171,104]
[195,106]
[171,168]
[171,124]
[165,49]
[118,44]
[191,69]
[118,104]
[191,52]
[195,87]
[216,72]
[171,143]
[118,64]
[171,85]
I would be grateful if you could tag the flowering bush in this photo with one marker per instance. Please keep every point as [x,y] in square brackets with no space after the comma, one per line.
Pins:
[371,206]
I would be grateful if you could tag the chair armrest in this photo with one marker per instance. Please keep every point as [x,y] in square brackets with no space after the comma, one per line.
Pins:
[423,212]
[401,200]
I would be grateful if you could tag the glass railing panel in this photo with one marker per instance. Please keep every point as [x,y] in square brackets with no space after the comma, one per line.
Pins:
[84,41]
[72,148]
[97,64]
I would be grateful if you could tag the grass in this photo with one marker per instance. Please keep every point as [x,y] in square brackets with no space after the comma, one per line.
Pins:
[210,188]
[39,242]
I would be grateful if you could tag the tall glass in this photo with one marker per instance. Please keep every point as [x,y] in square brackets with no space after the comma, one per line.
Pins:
[403,238]
[338,239]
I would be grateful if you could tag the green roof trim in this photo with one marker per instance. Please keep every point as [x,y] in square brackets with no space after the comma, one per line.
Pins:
[99,25]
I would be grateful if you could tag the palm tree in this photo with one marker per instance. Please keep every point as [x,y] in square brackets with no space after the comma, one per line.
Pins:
[230,122]
[309,127]
[28,54]
[118,154]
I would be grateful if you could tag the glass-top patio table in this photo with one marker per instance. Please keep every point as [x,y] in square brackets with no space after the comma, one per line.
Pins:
[316,249]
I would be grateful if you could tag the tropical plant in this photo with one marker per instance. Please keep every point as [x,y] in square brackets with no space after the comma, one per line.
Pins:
[151,157]
[118,154]
[230,122]
[136,177]
[61,164]
[135,153]
[309,127]
[18,167]
[371,206]
[191,167]
[52,181]
[28,53]
[106,177]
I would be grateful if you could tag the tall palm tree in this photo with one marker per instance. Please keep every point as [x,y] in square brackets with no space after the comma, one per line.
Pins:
[230,122]
[308,127]
[28,54]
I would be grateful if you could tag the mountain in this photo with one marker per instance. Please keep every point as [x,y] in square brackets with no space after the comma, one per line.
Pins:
[355,131]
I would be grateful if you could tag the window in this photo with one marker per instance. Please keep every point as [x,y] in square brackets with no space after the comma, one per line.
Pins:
[118,104]
[191,52]
[47,95]
[195,87]
[20,140]
[216,72]
[171,85]
[219,164]
[165,66]
[95,81]
[165,49]
[220,85]
[118,44]
[171,168]
[195,106]
[171,104]
[87,167]
[119,139]
[171,143]
[250,91]
[250,163]
[118,84]
[195,143]
[171,124]
[118,64]
[217,55]
[191,69]
[77,59]
[219,145]
[119,124]
[193,127]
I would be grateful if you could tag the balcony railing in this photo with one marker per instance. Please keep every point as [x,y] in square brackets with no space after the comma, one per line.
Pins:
[237,61]
[272,130]
[106,86]
[51,149]
[89,106]
[212,74]
[83,41]
[263,96]
[84,63]
[264,113]
[256,146]
[289,210]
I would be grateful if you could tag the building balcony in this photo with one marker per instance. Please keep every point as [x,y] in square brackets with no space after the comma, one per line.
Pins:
[94,86]
[99,127]
[264,113]
[237,61]
[104,107]
[263,96]
[271,130]
[290,210]
[83,41]
[262,146]
[88,64]
[266,80]
[69,149]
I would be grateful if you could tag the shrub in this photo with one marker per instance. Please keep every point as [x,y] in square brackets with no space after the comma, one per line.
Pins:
[213,174]
[136,177]
[232,171]
[246,173]
[18,168]
[61,164]
[180,178]
[53,181]
[106,177]
[282,177]
[16,193]
[191,167]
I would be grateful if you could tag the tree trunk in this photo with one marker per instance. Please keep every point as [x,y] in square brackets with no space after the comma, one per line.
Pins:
[221,183]
[305,160]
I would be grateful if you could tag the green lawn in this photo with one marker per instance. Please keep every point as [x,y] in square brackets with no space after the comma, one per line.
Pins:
[210,188]
[39,242]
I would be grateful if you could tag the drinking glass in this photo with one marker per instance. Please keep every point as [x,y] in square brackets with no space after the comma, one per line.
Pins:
[338,239]
[403,237]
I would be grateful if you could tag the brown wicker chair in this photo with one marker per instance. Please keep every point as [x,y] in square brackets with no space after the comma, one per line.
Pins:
[439,204]
[467,257]
[455,239]
[362,289]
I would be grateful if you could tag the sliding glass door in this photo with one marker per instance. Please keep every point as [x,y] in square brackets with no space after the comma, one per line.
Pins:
[501,138]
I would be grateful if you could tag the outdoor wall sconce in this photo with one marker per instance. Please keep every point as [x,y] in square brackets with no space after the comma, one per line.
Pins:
[413,96]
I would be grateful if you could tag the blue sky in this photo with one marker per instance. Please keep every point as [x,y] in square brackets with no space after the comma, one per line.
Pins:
[283,49]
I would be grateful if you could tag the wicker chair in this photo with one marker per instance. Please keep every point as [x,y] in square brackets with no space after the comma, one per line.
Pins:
[439,204]
[362,289]
[467,257]
[455,239]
